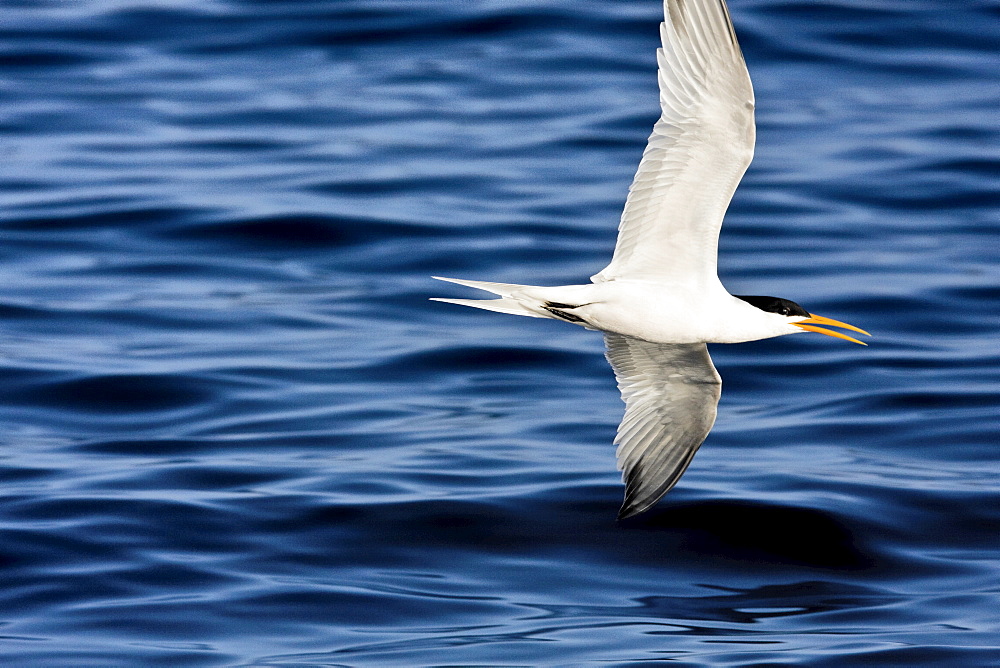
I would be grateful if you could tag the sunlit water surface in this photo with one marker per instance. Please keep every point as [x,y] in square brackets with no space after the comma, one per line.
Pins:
[235,432]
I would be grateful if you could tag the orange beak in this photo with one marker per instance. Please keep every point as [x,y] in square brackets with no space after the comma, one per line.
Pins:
[809,325]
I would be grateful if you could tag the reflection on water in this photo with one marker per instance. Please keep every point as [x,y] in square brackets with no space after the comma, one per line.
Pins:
[236,433]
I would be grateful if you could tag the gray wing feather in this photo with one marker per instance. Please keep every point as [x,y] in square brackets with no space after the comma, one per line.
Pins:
[671,394]
[697,154]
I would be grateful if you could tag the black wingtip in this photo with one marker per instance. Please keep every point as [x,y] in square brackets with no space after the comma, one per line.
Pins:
[628,511]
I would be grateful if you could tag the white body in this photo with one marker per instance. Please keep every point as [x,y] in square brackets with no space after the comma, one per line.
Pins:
[659,312]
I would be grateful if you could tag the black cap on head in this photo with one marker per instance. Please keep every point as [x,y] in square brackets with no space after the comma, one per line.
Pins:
[774,305]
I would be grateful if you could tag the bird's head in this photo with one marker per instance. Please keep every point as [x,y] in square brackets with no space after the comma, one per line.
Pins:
[792,318]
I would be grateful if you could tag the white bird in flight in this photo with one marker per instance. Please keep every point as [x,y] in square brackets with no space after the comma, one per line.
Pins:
[660,300]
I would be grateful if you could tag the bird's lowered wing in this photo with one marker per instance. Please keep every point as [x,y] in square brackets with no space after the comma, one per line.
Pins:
[698,152]
[671,392]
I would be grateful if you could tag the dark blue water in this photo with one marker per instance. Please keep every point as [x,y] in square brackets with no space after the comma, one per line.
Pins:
[234,432]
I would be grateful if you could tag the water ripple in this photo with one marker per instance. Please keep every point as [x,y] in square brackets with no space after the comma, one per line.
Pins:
[235,432]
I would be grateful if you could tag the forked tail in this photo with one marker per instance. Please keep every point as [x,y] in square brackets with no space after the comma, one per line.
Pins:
[506,304]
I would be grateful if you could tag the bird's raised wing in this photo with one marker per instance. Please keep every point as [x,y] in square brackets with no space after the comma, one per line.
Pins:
[671,392]
[698,152]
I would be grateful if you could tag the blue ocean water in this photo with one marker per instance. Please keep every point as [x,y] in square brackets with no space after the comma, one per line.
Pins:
[236,433]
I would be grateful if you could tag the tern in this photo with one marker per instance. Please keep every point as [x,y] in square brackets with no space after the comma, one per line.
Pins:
[660,300]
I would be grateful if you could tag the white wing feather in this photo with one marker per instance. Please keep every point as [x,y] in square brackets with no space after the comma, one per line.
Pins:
[698,152]
[671,393]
